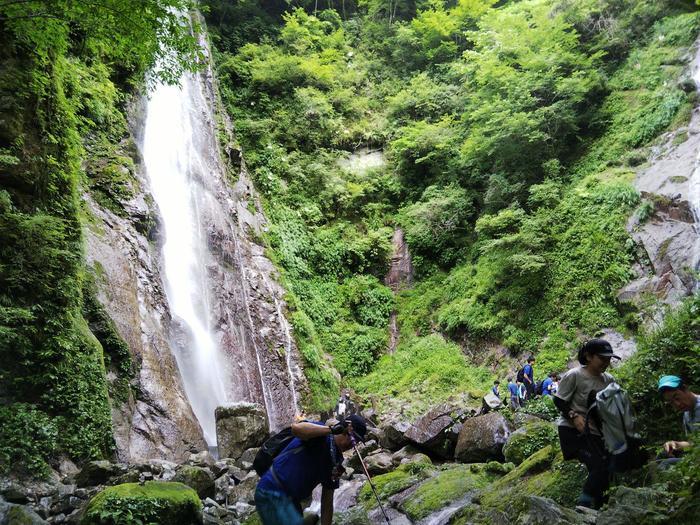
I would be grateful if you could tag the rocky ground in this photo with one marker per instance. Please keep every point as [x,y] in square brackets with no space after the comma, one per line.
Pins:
[452,465]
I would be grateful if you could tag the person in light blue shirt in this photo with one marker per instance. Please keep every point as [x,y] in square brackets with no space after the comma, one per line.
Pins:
[513,391]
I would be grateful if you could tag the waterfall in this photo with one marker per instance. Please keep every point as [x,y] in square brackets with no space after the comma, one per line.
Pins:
[174,169]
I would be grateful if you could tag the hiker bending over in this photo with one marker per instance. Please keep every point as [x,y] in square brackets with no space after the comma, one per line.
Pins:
[677,395]
[548,388]
[314,456]
[576,390]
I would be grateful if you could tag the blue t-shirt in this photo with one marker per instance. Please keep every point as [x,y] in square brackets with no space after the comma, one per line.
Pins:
[545,386]
[527,370]
[494,389]
[513,389]
[301,470]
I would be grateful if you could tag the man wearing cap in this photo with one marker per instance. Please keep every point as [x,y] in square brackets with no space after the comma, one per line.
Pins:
[678,395]
[573,397]
[314,456]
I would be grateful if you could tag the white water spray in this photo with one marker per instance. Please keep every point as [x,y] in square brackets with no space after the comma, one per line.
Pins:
[174,167]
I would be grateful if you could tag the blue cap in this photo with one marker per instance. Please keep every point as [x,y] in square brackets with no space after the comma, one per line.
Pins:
[670,382]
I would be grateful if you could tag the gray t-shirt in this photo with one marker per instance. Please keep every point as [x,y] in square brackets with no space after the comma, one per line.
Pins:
[574,388]
[691,418]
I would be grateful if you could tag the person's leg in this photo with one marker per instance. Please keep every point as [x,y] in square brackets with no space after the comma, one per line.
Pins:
[598,481]
[574,446]
[276,508]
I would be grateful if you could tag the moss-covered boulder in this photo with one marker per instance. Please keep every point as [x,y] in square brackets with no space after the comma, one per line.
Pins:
[448,486]
[553,483]
[528,439]
[12,514]
[199,478]
[152,502]
[404,477]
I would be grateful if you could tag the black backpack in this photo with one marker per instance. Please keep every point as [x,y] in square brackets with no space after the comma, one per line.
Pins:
[521,375]
[271,449]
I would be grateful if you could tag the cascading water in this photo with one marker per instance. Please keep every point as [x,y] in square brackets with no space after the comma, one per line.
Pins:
[173,168]
[226,307]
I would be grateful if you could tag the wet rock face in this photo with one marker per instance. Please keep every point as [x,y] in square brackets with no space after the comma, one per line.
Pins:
[156,421]
[482,438]
[669,237]
[240,426]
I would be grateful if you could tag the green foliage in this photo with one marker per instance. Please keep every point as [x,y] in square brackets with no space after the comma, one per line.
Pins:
[542,407]
[437,226]
[27,437]
[153,502]
[428,369]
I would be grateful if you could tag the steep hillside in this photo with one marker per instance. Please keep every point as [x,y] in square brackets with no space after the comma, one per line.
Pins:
[503,138]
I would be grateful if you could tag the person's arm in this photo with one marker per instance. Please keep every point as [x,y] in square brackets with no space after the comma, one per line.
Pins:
[562,400]
[305,430]
[671,447]
[326,506]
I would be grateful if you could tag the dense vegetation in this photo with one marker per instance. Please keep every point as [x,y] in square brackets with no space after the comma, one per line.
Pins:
[66,69]
[511,131]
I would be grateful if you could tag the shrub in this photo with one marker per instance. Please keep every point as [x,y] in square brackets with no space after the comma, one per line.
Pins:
[27,437]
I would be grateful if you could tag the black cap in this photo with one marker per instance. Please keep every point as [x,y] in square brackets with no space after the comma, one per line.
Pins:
[359,426]
[596,346]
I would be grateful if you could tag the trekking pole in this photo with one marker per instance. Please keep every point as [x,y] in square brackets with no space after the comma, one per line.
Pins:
[369,479]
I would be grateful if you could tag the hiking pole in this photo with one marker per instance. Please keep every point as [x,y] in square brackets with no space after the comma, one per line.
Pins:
[369,479]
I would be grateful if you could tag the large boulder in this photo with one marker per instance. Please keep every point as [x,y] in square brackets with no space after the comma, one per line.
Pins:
[152,502]
[482,438]
[11,514]
[379,463]
[98,473]
[240,426]
[433,431]
[528,439]
[393,435]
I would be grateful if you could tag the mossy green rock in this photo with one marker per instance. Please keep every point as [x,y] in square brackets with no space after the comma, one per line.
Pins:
[405,476]
[153,502]
[18,515]
[529,439]
[199,478]
[446,487]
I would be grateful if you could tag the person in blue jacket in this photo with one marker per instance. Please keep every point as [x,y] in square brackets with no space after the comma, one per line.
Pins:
[547,384]
[314,456]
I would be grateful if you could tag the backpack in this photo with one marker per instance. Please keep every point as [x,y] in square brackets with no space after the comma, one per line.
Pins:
[271,449]
[538,388]
[613,410]
[521,375]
